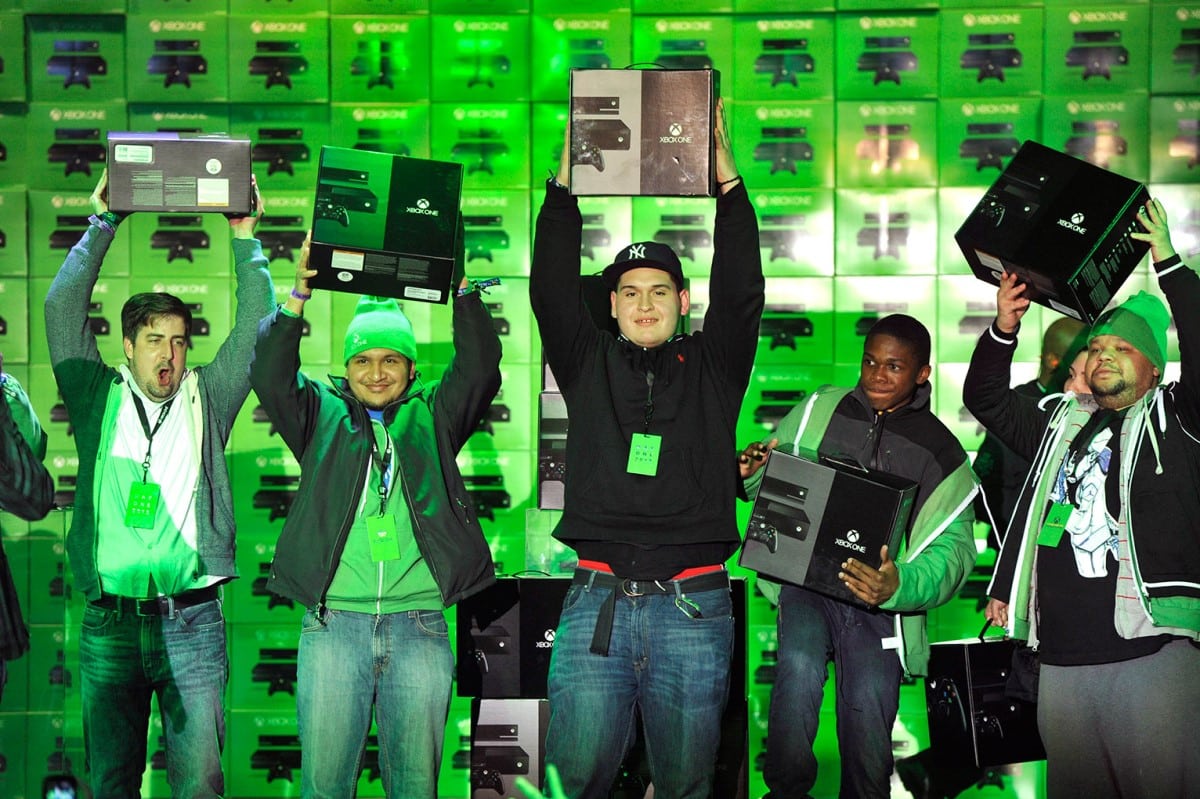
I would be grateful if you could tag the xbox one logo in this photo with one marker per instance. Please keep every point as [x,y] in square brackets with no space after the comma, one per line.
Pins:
[852,536]
[547,641]
[1077,218]
[676,129]
[421,207]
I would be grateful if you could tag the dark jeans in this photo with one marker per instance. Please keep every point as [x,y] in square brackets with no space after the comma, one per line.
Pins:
[813,630]
[673,668]
[124,659]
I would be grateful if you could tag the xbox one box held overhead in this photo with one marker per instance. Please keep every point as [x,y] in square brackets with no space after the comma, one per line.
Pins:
[385,224]
[643,132]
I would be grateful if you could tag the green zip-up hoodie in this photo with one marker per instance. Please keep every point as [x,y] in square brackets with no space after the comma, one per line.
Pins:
[911,442]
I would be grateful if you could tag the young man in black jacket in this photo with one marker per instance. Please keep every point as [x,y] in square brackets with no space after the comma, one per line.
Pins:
[1100,568]
[650,492]
[382,535]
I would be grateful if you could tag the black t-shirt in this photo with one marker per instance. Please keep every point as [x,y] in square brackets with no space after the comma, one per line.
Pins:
[1077,579]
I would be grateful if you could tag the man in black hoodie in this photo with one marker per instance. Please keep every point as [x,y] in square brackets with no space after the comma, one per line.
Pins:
[650,492]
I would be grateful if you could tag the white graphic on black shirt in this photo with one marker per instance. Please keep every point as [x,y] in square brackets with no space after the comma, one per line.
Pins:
[1081,483]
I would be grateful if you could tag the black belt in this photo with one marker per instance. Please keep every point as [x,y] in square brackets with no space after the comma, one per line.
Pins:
[155,606]
[634,588]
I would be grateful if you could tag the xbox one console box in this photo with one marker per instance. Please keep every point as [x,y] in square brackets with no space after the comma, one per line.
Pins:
[643,132]
[1062,225]
[809,517]
[172,172]
[385,224]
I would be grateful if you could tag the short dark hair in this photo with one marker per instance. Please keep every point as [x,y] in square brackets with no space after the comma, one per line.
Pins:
[908,330]
[142,309]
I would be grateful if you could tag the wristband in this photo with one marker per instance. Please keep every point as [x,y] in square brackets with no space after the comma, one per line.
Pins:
[733,179]
[107,221]
[554,182]
[477,285]
[1170,260]
[301,297]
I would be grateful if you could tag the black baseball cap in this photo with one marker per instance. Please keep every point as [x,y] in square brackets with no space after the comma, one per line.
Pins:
[644,253]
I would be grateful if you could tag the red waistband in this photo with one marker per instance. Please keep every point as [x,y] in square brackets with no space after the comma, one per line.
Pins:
[694,571]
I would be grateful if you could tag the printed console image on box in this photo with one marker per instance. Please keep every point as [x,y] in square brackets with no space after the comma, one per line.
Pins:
[643,133]
[809,517]
[173,172]
[1062,225]
[385,224]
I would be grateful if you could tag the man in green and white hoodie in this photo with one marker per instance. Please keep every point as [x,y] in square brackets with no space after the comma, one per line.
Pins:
[883,423]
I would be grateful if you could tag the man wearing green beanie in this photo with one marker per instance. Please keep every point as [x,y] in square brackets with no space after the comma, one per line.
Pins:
[382,535]
[1100,568]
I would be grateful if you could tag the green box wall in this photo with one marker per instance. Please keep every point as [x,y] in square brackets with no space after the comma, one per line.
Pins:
[1149,98]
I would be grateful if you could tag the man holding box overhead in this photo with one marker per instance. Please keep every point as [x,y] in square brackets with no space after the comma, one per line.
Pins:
[647,624]
[1100,568]
[884,423]
[382,535]
[152,536]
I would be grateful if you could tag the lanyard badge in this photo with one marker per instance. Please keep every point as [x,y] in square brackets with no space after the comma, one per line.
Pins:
[141,508]
[1055,524]
[644,447]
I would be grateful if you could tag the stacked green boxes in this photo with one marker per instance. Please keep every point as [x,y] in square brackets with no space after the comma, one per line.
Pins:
[865,131]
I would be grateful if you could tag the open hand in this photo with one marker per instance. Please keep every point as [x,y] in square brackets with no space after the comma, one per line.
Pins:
[873,586]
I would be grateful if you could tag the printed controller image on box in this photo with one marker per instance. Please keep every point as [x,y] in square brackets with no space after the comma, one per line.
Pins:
[643,132]
[809,517]
[385,224]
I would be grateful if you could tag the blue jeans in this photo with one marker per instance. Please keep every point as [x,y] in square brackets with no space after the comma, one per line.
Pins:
[675,669]
[124,659]
[813,630]
[348,663]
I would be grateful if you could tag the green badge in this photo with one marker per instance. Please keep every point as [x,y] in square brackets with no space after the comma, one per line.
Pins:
[1056,521]
[643,454]
[142,507]
[385,544]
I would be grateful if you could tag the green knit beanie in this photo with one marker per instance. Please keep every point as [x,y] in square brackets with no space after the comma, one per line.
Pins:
[379,322]
[1142,320]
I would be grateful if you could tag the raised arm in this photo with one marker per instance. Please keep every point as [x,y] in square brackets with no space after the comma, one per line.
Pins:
[472,380]
[554,280]
[736,285]
[1181,287]
[1012,418]
[228,372]
[68,331]
[289,398]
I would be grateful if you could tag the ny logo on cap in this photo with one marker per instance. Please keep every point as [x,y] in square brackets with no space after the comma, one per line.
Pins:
[636,251]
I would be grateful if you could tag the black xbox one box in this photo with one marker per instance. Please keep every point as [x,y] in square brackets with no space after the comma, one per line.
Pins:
[809,517]
[172,172]
[643,132]
[385,224]
[1062,225]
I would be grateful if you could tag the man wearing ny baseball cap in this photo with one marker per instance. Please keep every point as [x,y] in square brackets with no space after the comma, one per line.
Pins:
[1100,568]
[651,483]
